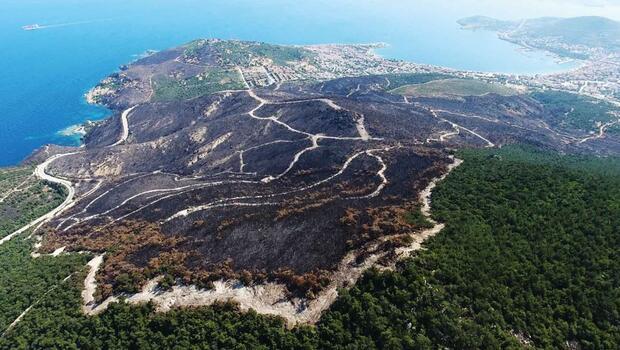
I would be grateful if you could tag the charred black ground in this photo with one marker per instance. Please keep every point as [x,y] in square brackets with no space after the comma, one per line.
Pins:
[276,182]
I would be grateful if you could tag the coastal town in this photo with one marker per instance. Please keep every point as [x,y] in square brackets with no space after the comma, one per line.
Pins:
[597,71]
[597,76]
[245,66]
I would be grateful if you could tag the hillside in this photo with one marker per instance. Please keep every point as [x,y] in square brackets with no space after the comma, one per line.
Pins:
[286,186]
[581,37]
[273,178]
[546,220]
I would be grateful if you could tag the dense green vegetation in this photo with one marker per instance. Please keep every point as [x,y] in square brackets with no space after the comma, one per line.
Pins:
[57,323]
[23,279]
[577,111]
[24,198]
[455,87]
[212,80]
[530,247]
[530,254]
[241,53]
[192,49]
[417,219]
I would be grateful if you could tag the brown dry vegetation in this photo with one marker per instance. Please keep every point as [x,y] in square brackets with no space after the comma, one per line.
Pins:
[137,251]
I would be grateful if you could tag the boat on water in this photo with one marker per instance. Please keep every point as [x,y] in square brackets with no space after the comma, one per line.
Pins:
[32,27]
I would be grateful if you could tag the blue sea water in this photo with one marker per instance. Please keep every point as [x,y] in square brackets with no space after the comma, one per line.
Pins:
[45,73]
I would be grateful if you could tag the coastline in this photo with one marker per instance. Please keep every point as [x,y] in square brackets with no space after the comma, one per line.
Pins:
[78,131]
[557,58]
[68,137]
[74,133]
[75,130]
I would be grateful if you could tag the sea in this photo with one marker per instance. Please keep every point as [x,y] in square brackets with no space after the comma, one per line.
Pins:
[45,73]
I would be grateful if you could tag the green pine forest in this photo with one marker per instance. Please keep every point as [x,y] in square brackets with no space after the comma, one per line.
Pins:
[529,258]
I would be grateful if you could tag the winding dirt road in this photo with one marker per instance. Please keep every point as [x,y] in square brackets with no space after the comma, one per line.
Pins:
[601,132]
[125,126]
[457,128]
[269,298]
[67,203]
[239,201]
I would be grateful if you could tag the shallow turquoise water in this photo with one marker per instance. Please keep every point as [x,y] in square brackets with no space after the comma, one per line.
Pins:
[46,72]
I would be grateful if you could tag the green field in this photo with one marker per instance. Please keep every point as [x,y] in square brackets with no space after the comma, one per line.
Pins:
[211,81]
[454,87]
[401,79]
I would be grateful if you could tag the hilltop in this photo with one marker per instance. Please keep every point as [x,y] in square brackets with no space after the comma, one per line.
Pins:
[275,175]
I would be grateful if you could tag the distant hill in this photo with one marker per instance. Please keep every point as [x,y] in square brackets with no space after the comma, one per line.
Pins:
[486,23]
[589,31]
[565,36]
